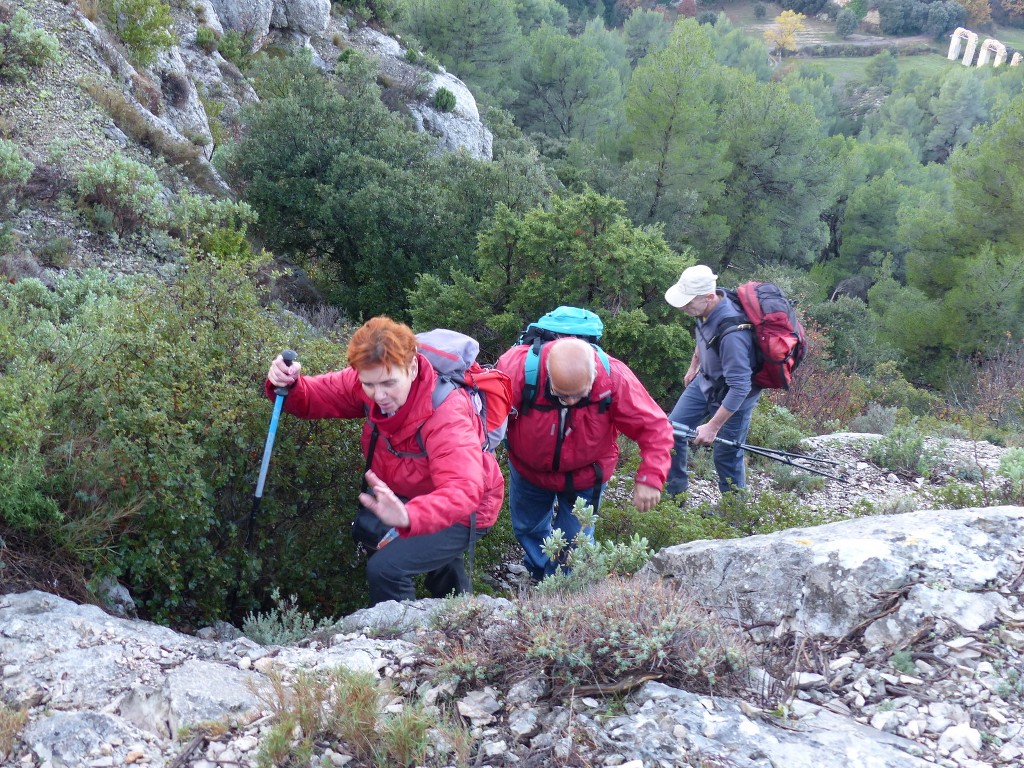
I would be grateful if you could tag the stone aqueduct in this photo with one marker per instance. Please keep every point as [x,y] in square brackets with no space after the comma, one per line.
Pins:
[989,49]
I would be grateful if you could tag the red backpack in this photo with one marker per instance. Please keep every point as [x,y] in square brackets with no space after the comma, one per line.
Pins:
[779,339]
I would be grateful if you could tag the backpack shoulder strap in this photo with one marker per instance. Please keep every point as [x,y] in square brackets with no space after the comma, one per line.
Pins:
[443,387]
[531,374]
[727,326]
[605,401]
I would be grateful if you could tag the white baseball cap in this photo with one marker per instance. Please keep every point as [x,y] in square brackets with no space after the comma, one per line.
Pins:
[695,281]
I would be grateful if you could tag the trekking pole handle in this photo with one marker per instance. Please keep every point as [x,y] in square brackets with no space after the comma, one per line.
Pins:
[288,356]
[681,430]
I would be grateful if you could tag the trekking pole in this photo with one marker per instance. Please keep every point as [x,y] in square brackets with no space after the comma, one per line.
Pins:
[785,457]
[282,392]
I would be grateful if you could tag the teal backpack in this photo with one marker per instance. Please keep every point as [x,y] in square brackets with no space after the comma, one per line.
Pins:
[561,323]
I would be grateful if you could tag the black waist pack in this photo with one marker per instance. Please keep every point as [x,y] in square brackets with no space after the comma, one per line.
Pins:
[369,532]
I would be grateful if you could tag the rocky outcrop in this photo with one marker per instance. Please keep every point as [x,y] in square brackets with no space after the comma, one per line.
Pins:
[941,587]
[884,576]
[459,129]
[256,18]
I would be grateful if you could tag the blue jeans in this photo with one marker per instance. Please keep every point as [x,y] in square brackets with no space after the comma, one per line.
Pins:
[693,409]
[535,515]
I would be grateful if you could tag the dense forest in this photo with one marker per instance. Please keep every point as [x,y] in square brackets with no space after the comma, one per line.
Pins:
[630,140]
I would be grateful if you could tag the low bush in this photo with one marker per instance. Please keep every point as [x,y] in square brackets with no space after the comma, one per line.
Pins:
[122,193]
[146,27]
[902,451]
[23,46]
[444,100]
[1011,467]
[347,706]
[766,512]
[281,624]
[879,420]
[236,48]
[206,38]
[615,631]
[15,170]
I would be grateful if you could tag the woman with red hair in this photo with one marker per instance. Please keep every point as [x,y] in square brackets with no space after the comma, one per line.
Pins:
[428,476]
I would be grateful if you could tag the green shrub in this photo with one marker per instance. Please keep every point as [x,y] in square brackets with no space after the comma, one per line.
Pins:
[846,23]
[879,420]
[887,386]
[788,478]
[766,512]
[211,225]
[444,100]
[148,475]
[23,46]
[1011,467]
[206,38]
[146,27]
[122,191]
[615,629]
[902,451]
[236,48]
[774,426]
[584,562]
[957,496]
[760,11]
[384,11]
[15,170]
[282,624]
[55,252]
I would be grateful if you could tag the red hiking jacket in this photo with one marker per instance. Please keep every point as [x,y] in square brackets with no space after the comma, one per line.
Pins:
[546,454]
[454,479]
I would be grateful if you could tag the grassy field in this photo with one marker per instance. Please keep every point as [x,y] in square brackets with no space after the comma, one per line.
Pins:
[741,14]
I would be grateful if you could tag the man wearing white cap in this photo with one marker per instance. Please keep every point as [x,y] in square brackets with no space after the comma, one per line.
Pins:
[718,381]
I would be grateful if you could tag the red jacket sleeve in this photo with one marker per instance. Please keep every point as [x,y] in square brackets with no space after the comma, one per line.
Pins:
[335,395]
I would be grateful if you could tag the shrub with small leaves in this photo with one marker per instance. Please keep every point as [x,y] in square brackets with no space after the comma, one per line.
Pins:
[23,46]
[617,631]
[206,38]
[444,100]
[902,451]
[284,623]
[15,170]
[128,191]
[879,420]
[1011,466]
[957,496]
[146,27]
[236,48]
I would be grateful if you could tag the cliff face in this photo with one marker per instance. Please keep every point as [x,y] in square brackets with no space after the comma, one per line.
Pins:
[172,114]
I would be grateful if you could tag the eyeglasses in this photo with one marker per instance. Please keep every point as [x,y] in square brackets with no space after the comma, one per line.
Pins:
[566,399]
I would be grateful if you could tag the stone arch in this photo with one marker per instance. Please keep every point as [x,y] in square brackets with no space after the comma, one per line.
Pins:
[960,35]
[987,48]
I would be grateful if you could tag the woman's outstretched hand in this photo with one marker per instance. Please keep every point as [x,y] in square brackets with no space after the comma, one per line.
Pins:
[384,503]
